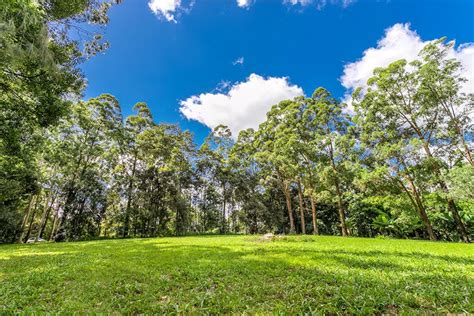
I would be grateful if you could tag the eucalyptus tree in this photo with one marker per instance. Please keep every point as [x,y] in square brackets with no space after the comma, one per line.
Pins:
[86,139]
[38,78]
[167,153]
[334,143]
[391,161]
[293,141]
[276,166]
[460,180]
[135,125]
[215,167]
[289,142]
[249,192]
[396,104]
[303,146]
[441,88]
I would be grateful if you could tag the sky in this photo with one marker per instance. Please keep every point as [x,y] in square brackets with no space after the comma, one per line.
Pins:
[201,63]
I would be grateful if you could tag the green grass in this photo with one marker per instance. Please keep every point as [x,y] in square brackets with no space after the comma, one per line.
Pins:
[238,274]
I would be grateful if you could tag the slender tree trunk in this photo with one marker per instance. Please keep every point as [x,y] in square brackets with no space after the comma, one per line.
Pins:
[25,239]
[457,218]
[421,209]
[71,195]
[55,222]
[300,197]
[340,203]
[101,218]
[451,204]
[313,204]
[286,191]
[71,189]
[223,228]
[78,219]
[129,198]
[26,216]
[44,220]
[314,215]
[342,213]
[457,127]
[467,153]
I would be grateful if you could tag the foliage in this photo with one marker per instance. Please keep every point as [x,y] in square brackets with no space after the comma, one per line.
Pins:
[74,169]
[38,80]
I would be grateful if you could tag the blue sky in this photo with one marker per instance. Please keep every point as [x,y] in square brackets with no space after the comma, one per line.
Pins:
[221,62]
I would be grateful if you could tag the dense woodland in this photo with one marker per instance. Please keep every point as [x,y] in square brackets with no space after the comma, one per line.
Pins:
[397,162]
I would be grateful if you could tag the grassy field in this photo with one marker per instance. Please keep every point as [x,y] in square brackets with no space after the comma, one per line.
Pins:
[238,274]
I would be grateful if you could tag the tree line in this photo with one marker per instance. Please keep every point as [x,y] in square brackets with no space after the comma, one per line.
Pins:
[396,162]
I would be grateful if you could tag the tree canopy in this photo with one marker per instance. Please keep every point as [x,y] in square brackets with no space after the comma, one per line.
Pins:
[396,162]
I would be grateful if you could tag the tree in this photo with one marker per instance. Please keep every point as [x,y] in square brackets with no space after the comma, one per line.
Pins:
[216,152]
[441,89]
[396,104]
[273,161]
[87,137]
[135,125]
[334,142]
[38,79]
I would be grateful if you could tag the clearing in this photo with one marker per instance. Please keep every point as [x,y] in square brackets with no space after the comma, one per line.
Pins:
[238,274]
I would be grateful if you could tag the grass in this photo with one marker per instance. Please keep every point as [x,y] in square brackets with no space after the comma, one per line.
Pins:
[238,274]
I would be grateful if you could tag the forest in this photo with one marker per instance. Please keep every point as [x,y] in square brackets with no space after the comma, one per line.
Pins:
[394,162]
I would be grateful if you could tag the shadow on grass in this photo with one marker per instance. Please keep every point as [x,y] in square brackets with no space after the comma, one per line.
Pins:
[134,276]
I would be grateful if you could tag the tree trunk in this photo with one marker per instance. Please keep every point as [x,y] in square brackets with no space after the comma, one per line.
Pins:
[224,200]
[300,197]
[26,216]
[342,213]
[129,200]
[25,239]
[451,204]
[286,191]
[340,204]
[55,222]
[315,218]
[44,220]
[421,210]
[462,229]
[467,153]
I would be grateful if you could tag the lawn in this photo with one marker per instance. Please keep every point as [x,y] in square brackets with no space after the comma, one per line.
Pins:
[238,274]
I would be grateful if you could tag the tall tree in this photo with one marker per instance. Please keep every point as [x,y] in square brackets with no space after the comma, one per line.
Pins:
[334,141]
[38,78]
[395,103]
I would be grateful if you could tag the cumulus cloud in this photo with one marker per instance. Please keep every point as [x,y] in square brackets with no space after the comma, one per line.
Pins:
[243,106]
[244,3]
[400,42]
[165,8]
[238,61]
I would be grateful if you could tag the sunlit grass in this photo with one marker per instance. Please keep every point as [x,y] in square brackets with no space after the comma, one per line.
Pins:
[237,274]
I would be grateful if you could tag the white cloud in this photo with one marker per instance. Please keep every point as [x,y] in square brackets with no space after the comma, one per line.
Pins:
[320,4]
[223,85]
[465,54]
[238,61]
[300,2]
[400,42]
[244,3]
[346,3]
[165,8]
[244,105]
